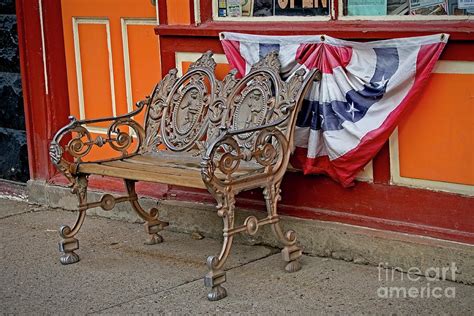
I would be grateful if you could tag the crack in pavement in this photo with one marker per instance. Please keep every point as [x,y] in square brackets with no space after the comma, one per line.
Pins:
[272,252]
[142,296]
[33,210]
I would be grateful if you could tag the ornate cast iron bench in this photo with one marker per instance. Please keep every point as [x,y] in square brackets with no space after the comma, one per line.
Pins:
[226,136]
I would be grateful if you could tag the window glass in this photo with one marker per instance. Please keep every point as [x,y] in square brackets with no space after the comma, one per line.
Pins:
[262,8]
[408,7]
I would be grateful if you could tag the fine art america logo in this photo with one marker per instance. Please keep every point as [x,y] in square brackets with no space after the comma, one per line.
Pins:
[424,283]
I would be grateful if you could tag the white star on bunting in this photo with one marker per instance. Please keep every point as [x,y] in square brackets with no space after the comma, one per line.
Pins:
[380,84]
[352,110]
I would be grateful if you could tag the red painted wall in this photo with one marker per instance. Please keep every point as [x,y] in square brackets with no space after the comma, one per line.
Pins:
[45,111]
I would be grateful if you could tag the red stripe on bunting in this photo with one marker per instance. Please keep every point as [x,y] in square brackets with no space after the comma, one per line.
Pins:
[323,56]
[232,52]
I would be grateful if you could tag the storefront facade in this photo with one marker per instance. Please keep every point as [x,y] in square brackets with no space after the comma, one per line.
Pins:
[96,58]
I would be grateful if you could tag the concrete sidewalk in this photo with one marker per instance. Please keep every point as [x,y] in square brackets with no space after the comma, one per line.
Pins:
[117,274]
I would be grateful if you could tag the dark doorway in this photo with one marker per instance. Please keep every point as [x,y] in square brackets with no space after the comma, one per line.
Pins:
[13,150]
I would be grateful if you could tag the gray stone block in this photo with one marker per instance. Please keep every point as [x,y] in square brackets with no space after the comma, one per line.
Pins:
[14,158]
[9,56]
[7,7]
[11,101]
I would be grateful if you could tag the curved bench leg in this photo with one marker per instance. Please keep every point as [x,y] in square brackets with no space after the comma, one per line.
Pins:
[291,252]
[152,224]
[217,276]
[69,244]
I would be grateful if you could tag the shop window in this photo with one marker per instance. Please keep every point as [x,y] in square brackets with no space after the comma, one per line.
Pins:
[431,8]
[254,9]
[292,10]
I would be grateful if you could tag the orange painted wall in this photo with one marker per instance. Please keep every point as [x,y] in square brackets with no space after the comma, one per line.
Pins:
[436,140]
[221,69]
[145,66]
[95,71]
[178,12]
[125,25]
[95,57]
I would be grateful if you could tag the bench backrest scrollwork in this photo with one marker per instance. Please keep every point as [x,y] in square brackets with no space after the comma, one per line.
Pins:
[181,110]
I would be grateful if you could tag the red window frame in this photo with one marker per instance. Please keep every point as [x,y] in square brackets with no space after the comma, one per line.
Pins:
[204,25]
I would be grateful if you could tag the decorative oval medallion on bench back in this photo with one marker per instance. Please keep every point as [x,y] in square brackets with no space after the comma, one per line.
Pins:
[253,100]
[250,112]
[188,110]
[184,119]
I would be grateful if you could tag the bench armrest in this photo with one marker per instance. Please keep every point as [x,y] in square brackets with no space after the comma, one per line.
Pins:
[270,144]
[72,143]
[224,154]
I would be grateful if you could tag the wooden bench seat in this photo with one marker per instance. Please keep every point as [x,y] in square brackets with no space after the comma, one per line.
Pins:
[224,136]
[183,170]
[139,171]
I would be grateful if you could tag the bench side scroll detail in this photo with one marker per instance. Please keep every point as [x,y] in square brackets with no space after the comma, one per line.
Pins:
[72,144]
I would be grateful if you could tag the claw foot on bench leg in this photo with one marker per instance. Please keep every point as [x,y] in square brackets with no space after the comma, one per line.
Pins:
[154,239]
[217,293]
[214,280]
[291,251]
[153,230]
[67,246]
[68,257]
[292,255]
